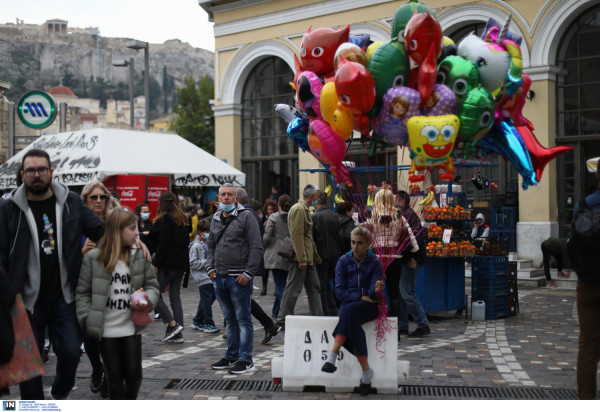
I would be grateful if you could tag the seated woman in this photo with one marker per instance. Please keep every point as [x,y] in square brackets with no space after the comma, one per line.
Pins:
[359,303]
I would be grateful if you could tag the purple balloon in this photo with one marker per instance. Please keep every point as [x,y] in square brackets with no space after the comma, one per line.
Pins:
[445,104]
[399,104]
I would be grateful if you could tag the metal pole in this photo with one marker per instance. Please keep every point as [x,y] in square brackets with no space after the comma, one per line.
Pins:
[131,73]
[11,129]
[147,82]
[63,117]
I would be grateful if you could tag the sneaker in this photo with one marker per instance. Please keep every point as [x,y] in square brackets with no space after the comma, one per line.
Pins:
[96,380]
[551,284]
[364,389]
[223,364]
[198,326]
[46,356]
[157,315]
[328,367]
[417,333]
[172,331]
[271,333]
[176,339]
[104,388]
[242,367]
[210,329]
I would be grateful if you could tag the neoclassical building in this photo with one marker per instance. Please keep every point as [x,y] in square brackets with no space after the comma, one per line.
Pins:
[255,42]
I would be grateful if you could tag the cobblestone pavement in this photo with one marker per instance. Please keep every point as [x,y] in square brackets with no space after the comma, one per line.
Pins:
[536,349]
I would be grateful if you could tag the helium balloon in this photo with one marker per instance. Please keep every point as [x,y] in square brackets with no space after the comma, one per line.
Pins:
[334,113]
[352,53]
[506,140]
[476,114]
[399,104]
[540,155]
[448,48]
[492,61]
[512,106]
[494,23]
[318,48]
[361,40]
[441,101]
[299,70]
[432,140]
[354,86]
[371,49]
[328,148]
[298,132]
[286,112]
[513,77]
[308,93]
[404,13]
[389,68]
[459,74]
[421,33]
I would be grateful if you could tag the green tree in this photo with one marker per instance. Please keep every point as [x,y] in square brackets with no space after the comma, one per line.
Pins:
[190,111]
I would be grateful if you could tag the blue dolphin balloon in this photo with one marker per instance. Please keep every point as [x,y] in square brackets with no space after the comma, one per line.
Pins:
[298,131]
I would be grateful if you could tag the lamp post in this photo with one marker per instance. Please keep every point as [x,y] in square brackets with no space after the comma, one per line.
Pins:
[124,63]
[137,45]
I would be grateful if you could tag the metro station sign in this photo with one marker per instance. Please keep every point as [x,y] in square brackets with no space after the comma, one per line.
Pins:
[37,110]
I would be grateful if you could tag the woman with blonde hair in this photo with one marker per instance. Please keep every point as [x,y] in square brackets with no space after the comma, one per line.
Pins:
[110,275]
[98,198]
[392,236]
[169,236]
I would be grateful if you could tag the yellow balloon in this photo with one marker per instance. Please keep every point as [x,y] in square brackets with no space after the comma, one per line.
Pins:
[334,113]
[338,198]
[372,48]
[447,40]
[328,190]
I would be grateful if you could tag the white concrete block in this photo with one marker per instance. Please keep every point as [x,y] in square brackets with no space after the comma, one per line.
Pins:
[308,341]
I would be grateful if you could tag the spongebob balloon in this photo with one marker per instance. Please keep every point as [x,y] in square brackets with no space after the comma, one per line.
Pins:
[432,140]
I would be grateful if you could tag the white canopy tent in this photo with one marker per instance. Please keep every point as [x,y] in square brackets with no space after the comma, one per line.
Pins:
[81,156]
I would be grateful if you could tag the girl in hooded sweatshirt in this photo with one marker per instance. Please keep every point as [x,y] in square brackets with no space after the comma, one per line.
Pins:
[480,228]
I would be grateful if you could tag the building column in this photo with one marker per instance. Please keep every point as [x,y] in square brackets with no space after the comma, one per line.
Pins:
[228,123]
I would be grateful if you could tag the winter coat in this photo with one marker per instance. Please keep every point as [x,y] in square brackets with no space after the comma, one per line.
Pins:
[275,231]
[326,232]
[240,248]
[387,238]
[198,262]
[19,246]
[170,244]
[482,230]
[93,289]
[7,332]
[346,227]
[301,234]
[352,281]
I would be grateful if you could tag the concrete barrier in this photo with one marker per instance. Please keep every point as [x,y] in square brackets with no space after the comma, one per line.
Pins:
[308,341]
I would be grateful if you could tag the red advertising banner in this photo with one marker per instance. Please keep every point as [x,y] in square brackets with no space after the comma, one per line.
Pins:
[156,186]
[131,189]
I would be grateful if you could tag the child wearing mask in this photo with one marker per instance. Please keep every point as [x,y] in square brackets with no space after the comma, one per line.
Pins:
[203,320]
[110,275]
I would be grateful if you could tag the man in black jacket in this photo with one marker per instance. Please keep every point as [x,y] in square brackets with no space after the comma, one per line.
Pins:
[326,233]
[40,247]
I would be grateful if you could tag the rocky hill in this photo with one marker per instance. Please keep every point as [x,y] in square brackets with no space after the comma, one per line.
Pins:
[30,59]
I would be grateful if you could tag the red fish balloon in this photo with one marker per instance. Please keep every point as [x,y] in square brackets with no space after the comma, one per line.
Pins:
[355,86]
[318,49]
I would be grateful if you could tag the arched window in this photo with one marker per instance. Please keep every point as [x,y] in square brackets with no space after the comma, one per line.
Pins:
[269,158]
[578,111]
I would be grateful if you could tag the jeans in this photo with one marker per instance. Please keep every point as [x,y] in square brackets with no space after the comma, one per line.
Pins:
[409,301]
[123,363]
[588,309]
[204,311]
[280,278]
[326,272]
[297,278]
[65,335]
[234,300]
[172,278]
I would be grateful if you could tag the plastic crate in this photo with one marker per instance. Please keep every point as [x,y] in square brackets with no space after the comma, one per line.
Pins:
[489,266]
[507,238]
[483,288]
[496,308]
[503,218]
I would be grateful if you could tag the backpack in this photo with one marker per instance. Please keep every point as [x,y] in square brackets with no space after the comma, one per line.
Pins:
[584,243]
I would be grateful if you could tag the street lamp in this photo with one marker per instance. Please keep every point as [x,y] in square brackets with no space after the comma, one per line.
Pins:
[137,45]
[124,63]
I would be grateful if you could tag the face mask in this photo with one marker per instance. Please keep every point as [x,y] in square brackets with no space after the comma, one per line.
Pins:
[206,236]
[226,208]
[313,204]
[145,216]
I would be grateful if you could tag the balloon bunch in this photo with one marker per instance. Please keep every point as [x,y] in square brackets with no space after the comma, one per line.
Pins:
[417,90]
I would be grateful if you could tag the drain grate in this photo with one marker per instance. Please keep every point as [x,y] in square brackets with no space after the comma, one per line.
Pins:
[454,392]
[223,385]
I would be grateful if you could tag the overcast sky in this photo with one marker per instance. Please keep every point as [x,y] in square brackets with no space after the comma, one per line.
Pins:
[154,21]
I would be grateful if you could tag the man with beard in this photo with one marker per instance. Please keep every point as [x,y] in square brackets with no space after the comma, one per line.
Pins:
[40,247]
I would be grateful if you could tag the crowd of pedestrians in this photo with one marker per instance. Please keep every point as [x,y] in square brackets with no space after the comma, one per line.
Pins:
[90,271]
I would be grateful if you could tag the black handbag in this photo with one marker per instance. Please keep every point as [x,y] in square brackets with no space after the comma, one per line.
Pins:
[286,249]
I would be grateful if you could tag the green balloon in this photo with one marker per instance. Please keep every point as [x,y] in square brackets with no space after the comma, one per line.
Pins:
[404,13]
[389,66]
[476,114]
[459,74]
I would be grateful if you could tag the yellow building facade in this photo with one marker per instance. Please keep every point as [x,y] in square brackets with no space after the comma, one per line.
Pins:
[255,43]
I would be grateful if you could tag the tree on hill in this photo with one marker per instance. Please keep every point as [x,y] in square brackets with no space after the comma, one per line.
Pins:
[192,107]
